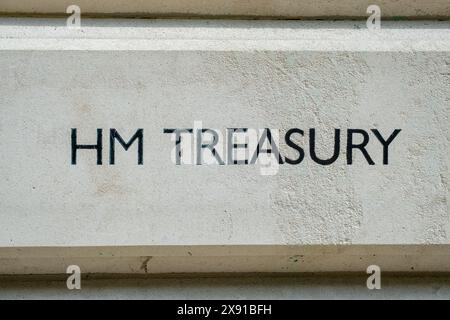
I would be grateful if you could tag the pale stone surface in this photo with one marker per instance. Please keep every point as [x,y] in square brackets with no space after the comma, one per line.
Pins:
[234,8]
[55,80]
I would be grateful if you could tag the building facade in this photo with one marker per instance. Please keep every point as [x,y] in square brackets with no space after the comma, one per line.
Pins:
[224,149]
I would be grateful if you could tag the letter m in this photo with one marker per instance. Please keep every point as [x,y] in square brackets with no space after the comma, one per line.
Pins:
[114,135]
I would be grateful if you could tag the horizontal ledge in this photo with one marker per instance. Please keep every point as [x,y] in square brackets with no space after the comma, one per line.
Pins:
[220,250]
[290,9]
[228,286]
[208,35]
[228,259]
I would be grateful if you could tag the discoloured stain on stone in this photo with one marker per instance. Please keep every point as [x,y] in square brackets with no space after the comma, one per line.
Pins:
[144,265]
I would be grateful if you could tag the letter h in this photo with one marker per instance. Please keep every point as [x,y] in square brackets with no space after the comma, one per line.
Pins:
[98,146]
